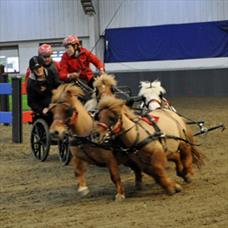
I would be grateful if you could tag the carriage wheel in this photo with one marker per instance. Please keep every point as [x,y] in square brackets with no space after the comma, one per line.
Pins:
[64,151]
[40,140]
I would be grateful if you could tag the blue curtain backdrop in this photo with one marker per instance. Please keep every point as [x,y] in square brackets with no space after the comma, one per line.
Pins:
[167,42]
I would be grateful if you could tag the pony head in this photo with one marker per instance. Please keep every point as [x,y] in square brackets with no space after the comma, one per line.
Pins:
[151,88]
[64,107]
[152,92]
[104,85]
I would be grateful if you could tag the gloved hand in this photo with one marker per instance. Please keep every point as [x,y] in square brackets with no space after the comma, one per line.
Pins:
[74,75]
[45,111]
[102,71]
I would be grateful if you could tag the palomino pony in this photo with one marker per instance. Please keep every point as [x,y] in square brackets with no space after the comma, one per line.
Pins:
[103,86]
[147,146]
[155,102]
[153,94]
[70,115]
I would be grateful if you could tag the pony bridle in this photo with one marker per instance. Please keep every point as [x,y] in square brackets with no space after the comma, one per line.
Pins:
[116,129]
[112,130]
[153,100]
[71,113]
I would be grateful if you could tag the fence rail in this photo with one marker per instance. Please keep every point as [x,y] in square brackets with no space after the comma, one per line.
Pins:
[15,117]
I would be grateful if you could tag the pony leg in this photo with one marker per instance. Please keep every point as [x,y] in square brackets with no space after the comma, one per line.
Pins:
[115,177]
[157,170]
[175,157]
[79,172]
[137,172]
[186,158]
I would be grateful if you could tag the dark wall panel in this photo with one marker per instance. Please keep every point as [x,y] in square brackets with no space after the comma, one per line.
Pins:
[167,42]
[213,82]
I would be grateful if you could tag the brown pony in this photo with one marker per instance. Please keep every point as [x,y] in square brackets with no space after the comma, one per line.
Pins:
[70,115]
[149,149]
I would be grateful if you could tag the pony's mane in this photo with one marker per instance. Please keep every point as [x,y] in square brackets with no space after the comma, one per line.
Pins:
[150,88]
[115,105]
[105,79]
[64,89]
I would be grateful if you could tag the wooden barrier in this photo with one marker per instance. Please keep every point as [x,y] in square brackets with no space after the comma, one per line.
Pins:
[26,115]
[15,117]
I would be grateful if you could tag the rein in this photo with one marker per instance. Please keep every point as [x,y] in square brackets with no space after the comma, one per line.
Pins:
[71,115]
[158,135]
[136,145]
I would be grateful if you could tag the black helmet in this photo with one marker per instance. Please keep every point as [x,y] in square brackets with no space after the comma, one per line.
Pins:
[35,62]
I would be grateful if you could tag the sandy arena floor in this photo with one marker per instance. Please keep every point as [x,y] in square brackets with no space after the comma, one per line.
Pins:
[43,194]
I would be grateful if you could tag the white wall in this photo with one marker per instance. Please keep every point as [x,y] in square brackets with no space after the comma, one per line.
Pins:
[41,19]
[27,23]
[29,49]
[26,51]
[132,13]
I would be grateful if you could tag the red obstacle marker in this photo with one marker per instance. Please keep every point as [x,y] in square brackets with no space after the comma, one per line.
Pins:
[27,117]
[23,88]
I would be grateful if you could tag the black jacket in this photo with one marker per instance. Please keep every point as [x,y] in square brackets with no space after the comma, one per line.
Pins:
[39,93]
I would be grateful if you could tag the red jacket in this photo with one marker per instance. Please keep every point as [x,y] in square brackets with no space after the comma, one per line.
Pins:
[80,64]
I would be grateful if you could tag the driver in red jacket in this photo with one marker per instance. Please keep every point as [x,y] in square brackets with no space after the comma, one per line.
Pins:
[75,62]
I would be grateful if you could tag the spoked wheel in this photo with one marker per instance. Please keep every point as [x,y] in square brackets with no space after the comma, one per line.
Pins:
[40,140]
[64,151]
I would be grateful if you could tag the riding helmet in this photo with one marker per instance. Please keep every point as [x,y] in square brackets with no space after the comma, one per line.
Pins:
[35,62]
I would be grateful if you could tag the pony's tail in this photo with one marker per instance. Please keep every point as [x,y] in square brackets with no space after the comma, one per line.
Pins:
[197,157]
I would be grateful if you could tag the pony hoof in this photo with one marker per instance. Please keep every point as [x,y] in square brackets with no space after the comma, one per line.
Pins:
[175,189]
[138,187]
[83,191]
[119,197]
[171,192]
[178,188]
[188,179]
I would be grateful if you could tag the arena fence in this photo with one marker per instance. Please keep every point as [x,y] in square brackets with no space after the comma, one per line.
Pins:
[15,117]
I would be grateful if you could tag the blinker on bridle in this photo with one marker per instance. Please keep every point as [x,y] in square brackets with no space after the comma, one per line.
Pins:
[112,127]
[71,112]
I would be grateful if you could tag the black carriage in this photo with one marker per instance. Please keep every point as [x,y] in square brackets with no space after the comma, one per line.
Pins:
[40,141]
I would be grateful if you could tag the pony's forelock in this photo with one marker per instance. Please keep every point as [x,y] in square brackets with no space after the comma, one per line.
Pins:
[106,79]
[112,103]
[65,89]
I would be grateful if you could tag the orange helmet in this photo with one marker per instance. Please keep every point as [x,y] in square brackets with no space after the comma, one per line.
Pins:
[45,49]
[71,39]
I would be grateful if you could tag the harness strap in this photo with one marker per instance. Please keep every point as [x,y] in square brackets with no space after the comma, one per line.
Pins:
[147,140]
[152,120]
[153,100]
[180,139]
